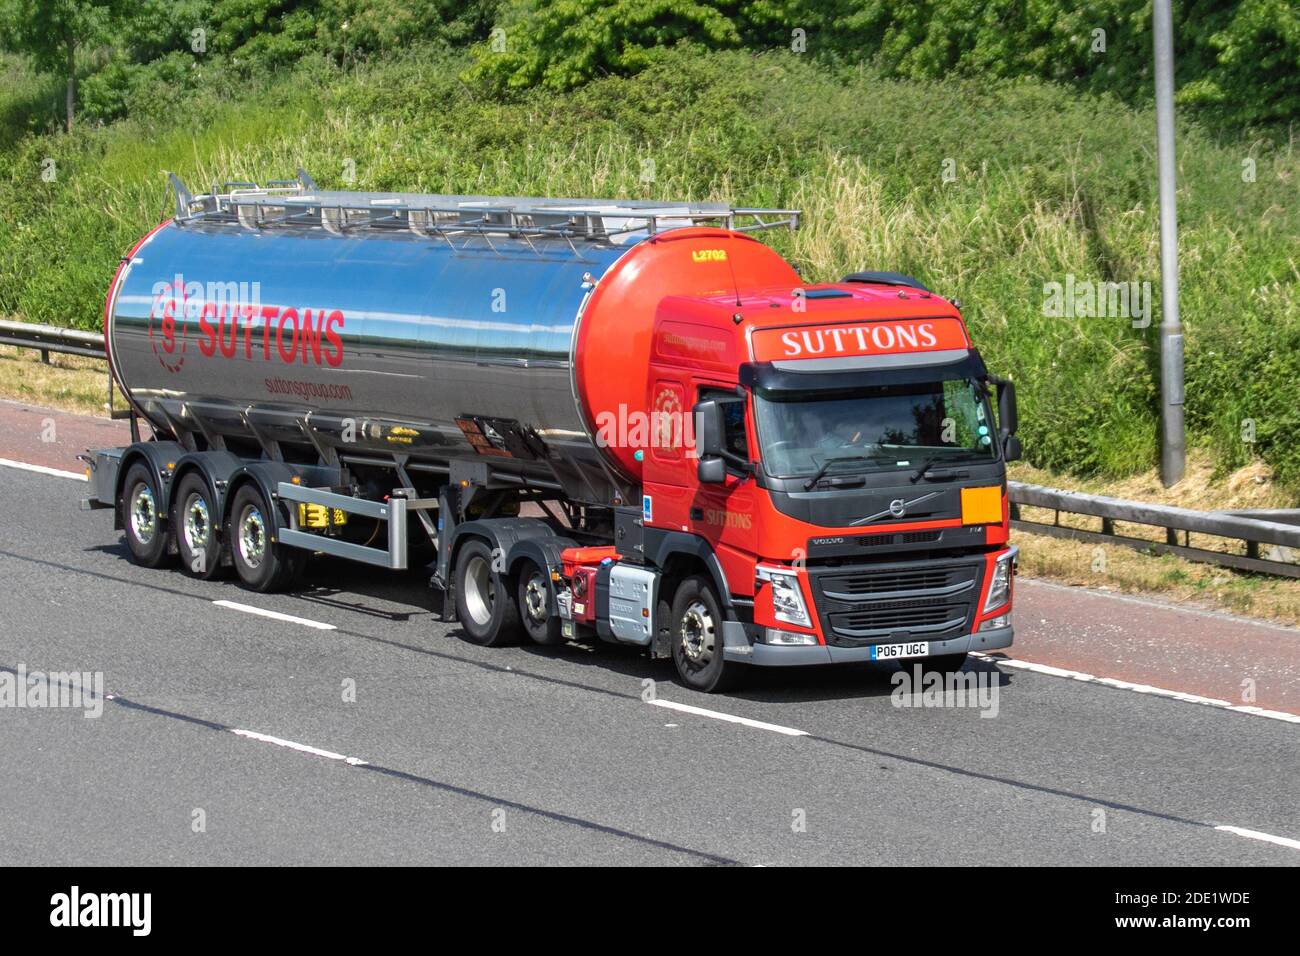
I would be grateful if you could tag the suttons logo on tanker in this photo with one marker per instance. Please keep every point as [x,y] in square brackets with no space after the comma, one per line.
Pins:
[239,326]
[865,338]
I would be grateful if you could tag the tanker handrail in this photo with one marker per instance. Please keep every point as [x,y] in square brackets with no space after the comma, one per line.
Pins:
[299,202]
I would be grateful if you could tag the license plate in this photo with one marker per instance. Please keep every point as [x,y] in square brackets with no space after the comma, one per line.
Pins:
[895,652]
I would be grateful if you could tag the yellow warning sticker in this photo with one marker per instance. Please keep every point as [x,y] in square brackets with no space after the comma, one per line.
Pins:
[981,505]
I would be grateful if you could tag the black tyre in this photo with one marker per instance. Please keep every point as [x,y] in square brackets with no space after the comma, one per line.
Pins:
[534,591]
[142,517]
[196,523]
[485,599]
[697,638]
[261,563]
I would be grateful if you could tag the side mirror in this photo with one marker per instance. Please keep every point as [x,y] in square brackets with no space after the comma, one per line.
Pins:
[709,429]
[1008,418]
[711,470]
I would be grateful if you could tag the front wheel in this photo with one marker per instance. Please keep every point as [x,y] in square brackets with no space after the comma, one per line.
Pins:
[697,638]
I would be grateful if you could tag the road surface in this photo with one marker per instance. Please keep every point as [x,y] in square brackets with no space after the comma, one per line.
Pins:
[355,728]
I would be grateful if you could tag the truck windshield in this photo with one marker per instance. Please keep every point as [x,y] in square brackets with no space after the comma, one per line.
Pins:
[874,428]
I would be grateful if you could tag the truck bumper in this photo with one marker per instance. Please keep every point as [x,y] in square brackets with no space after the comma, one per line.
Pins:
[774,655]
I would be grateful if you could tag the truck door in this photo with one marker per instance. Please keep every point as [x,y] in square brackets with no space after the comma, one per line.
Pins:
[724,513]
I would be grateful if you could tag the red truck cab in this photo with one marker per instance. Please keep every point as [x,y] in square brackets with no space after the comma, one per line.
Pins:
[842,462]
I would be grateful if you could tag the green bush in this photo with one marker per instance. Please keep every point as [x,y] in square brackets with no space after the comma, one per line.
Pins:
[1046,183]
[1238,62]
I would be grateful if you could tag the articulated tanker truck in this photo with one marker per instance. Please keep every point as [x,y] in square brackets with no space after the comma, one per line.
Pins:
[594,420]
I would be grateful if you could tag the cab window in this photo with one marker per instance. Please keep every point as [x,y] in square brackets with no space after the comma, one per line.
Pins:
[733,413]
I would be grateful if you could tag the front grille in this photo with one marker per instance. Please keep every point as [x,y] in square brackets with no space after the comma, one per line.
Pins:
[921,601]
[887,540]
[866,584]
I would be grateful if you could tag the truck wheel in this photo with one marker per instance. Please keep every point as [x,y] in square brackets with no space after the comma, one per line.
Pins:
[262,564]
[146,532]
[485,602]
[697,638]
[542,627]
[195,521]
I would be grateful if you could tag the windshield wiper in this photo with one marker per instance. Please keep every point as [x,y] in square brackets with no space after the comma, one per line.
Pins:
[925,469]
[821,472]
[925,466]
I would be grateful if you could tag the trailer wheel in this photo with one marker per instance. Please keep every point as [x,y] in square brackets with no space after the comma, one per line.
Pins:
[697,638]
[261,563]
[542,627]
[485,601]
[195,521]
[142,519]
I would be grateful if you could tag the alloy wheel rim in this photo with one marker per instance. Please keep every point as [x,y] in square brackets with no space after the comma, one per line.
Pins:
[535,599]
[480,593]
[197,525]
[698,634]
[144,514]
[252,537]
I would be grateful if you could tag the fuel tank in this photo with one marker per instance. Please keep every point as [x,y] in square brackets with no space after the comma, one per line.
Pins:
[274,325]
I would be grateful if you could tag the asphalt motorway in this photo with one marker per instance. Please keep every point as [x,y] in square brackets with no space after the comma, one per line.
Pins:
[232,737]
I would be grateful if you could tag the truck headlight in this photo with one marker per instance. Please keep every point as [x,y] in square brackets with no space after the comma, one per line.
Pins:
[787,598]
[772,635]
[1000,586]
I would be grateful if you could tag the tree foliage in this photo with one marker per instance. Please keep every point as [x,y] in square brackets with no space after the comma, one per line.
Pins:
[51,32]
[1239,61]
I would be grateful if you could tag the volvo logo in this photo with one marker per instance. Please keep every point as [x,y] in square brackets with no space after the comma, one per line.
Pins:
[897,509]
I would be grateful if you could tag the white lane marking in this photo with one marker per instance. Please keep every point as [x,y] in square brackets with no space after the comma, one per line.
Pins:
[730,718]
[293,745]
[275,615]
[1266,837]
[41,469]
[1139,688]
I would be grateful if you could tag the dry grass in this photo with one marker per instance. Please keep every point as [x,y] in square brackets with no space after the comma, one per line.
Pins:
[1121,569]
[1201,488]
[68,382]
[1248,487]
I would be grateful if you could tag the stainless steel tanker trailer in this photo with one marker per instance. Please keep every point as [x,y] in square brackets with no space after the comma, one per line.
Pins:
[462,380]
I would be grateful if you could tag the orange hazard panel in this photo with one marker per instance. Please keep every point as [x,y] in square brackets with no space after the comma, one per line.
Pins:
[981,505]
